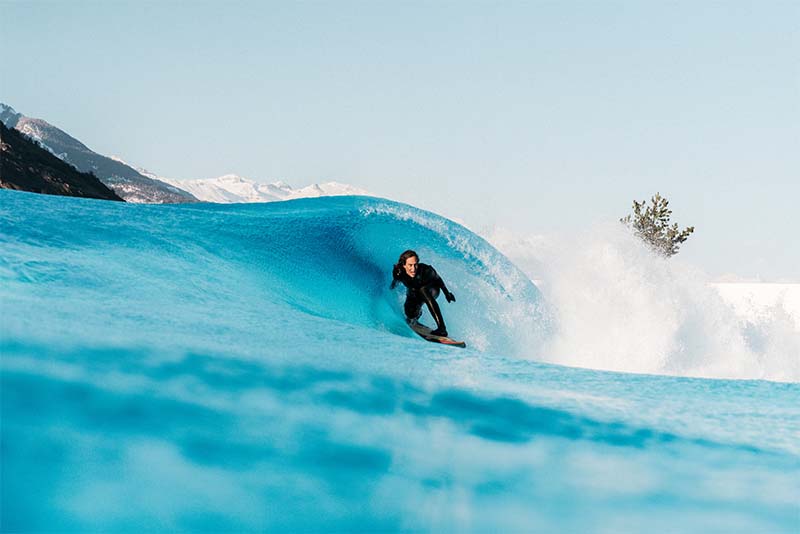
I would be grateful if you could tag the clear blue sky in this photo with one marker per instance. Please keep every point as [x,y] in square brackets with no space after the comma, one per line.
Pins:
[536,116]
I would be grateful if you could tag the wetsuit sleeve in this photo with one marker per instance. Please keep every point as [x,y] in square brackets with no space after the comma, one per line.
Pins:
[442,286]
[447,295]
[438,282]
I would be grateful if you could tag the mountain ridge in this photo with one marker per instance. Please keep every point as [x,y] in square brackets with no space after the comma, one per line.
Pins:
[27,166]
[138,185]
[233,188]
[124,180]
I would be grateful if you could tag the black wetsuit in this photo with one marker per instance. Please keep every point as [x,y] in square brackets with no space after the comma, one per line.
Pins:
[423,288]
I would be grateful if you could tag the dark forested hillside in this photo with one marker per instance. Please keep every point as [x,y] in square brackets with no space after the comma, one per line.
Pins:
[26,166]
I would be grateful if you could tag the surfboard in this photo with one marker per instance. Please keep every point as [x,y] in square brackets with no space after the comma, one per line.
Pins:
[425,333]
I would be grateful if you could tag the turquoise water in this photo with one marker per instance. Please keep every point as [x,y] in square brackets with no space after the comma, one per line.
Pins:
[245,367]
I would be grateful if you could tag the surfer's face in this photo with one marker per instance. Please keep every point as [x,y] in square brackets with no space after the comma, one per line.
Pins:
[411,266]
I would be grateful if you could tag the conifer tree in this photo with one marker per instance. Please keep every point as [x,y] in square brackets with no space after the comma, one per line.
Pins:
[651,224]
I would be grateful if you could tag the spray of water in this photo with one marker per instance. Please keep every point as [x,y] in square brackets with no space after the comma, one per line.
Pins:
[618,306]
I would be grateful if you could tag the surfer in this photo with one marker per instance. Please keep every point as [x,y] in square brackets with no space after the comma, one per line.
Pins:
[423,284]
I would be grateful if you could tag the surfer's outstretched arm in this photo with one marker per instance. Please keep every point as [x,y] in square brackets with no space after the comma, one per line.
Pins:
[440,284]
[447,294]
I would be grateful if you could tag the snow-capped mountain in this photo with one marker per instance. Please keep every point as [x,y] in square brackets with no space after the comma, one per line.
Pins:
[135,184]
[124,180]
[233,189]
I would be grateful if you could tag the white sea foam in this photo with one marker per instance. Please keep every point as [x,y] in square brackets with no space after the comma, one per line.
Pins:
[618,306]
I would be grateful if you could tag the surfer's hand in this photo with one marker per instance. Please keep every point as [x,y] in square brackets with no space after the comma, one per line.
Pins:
[450,297]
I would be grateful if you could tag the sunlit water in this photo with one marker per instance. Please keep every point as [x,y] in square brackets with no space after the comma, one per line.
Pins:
[246,367]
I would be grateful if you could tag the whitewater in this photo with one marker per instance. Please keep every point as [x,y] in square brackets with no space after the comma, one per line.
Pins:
[246,367]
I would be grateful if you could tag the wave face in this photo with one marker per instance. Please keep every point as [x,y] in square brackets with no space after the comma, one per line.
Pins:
[245,367]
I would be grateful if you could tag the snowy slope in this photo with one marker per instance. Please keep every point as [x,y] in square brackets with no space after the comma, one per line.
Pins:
[232,188]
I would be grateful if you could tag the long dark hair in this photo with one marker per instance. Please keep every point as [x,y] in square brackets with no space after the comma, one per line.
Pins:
[398,268]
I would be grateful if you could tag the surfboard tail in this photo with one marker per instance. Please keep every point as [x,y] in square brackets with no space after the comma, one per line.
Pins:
[425,333]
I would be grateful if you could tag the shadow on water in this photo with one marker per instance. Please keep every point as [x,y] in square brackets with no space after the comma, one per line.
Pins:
[514,421]
[198,425]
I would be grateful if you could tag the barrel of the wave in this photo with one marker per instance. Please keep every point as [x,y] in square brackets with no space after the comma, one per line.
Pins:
[423,285]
